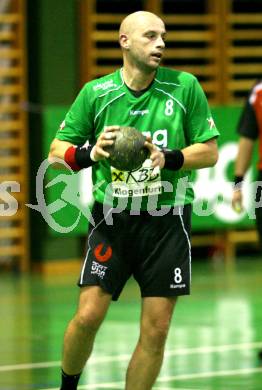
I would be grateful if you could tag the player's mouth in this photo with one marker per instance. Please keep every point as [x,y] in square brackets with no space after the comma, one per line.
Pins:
[156,55]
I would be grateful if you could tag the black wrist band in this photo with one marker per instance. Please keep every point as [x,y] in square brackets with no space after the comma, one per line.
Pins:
[82,156]
[174,159]
[238,179]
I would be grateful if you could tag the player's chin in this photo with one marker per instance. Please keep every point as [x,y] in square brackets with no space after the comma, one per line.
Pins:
[153,65]
[154,62]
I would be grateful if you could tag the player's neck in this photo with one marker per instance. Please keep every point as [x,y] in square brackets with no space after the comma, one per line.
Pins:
[137,80]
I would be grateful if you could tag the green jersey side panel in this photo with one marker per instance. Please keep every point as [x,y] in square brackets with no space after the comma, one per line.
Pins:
[174,112]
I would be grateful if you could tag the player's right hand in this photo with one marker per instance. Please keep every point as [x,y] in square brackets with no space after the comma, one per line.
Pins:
[106,138]
[237,201]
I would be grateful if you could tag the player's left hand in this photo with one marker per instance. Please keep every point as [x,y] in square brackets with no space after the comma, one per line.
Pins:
[156,155]
[237,201]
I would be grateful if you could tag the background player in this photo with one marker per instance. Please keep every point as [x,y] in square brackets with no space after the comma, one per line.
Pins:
[155,249]
[250,129]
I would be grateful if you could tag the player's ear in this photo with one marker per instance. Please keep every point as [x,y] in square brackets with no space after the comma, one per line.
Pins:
[124,41]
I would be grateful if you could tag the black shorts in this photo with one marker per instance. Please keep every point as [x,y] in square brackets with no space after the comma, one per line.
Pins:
[258,210]
[154,249]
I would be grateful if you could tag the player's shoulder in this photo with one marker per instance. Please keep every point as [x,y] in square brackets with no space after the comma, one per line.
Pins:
[257,86]
[256,92]
[174,77]
[105,83]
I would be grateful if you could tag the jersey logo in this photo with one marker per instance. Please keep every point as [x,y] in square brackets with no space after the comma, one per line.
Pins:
[105,85]
[105,256]
[159,137]
[139,112]
[62,126]
[118,175]
[211,123]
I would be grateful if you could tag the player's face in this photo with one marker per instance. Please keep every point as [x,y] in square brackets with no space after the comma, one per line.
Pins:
[147,44]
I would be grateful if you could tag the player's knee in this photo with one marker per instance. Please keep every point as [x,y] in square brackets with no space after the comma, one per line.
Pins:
[89,320]
[154,335]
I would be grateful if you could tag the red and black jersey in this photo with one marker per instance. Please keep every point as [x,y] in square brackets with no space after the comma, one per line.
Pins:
[250,124]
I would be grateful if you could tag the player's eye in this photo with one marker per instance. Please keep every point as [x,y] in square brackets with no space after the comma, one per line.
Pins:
[151,35]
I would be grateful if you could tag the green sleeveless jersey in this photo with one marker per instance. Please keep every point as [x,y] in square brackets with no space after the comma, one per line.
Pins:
[173,111]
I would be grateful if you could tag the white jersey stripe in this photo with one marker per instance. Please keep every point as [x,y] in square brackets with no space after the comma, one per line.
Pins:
[172,97]
[111,101]
[165,82]
[180,211]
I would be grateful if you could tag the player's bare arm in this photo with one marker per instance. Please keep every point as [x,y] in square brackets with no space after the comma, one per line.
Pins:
[59,149]
[200,155]
[244,155]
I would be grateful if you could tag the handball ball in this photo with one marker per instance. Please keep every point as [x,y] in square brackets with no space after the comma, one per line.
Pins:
[128,151]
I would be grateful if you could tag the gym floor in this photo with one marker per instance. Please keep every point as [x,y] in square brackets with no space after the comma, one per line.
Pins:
[213,343]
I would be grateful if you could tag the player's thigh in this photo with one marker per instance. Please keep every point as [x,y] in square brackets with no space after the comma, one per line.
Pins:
[258,210]
[106,263]
[164,269]
[259,225]
[93,305]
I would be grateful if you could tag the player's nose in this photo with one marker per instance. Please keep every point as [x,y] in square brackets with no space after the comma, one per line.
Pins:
[160,43]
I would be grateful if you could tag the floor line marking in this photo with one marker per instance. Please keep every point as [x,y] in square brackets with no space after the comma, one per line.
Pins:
[214,348]
[209,374]
[172,388]
[113,358]
[112,385]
